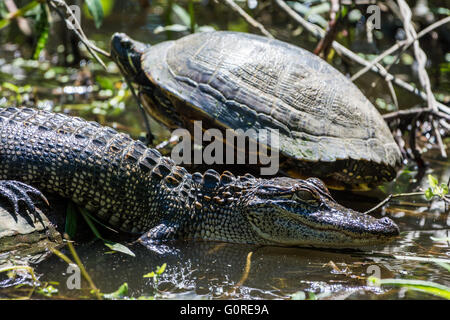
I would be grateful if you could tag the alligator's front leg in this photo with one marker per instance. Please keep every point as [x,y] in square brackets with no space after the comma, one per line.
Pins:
[16,193]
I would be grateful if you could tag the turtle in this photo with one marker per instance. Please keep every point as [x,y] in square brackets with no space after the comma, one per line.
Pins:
[231,80]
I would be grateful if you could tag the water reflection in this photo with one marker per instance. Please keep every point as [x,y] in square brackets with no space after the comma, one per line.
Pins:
[208,270]
[218,270]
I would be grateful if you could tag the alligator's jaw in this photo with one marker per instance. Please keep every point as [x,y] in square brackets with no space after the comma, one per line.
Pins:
[313,219]
[332,234]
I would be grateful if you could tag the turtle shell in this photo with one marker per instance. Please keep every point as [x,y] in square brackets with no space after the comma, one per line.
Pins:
[327,127]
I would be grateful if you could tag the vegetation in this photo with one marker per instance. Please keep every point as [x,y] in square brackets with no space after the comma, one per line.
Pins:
[403,67]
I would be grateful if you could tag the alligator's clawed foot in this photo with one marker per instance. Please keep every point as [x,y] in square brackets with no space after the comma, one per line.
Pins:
[158,238]
[17,193]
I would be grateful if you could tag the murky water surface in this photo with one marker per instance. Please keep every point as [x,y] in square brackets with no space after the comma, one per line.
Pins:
[219,270]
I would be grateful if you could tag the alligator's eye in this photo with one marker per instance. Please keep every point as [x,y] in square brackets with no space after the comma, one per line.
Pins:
[318,184]
[305,196]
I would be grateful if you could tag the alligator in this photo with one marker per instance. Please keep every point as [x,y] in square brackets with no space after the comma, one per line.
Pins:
[135,189]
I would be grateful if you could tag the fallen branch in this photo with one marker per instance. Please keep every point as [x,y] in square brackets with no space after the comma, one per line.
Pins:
[318,32]
[416,155]
[411,116]
[435,190]
[378,69]
[392,196]
[76,28]
[402,114]
[404,45]
[324,44]
[421,59]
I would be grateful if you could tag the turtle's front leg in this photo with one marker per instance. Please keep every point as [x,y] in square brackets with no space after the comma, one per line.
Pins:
[17,192]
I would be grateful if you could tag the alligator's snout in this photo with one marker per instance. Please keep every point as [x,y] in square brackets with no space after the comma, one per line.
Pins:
[387,227]
[351,228]
[302,212]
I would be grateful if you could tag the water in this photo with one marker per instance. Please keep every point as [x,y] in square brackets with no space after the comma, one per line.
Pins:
[204,270]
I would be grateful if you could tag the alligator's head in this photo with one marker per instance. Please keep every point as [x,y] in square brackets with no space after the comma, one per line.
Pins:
[293,212]
[127,53]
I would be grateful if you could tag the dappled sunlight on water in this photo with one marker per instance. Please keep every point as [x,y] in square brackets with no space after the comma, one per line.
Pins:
[200,270]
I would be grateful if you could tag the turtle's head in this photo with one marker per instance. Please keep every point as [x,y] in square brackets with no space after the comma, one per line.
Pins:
[294,212]
[127,53]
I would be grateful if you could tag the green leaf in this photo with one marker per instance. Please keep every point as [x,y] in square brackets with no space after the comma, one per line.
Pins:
[205,29]
[4,23]
[433,182]
[324,7]
[444,189]
[42,29]
[118,247]
[161,269]
[119,293]
[157,273]
[311,13]
[192,15]
[441,10]
[182,14]
[344,11]
[312,296]
[11,87]
[47,291]
[440,239]
[91,225]
[436,189]
[299,295]
[3,10]
[71,220]
[419,285]
[96,10]
[88,108]
[429,194]
[149,275]
[105,82]
[443,265]
[110,244]
[172,27]
[146,298]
